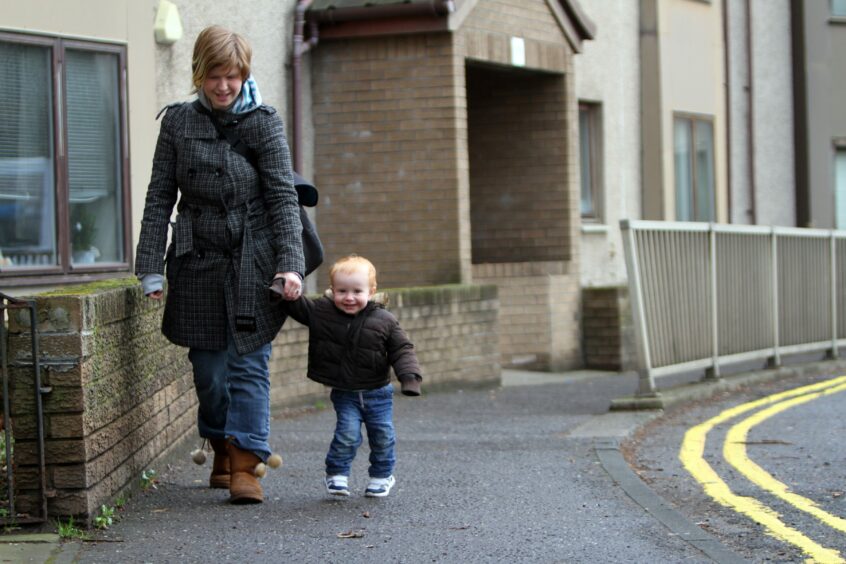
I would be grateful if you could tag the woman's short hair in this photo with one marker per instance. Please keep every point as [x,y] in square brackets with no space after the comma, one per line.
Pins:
[354,263]
[218,46]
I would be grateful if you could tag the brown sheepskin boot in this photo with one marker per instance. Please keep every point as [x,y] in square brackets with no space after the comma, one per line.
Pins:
[220,469]
[244,487]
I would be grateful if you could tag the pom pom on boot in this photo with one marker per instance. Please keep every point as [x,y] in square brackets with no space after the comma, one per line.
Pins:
[274,461]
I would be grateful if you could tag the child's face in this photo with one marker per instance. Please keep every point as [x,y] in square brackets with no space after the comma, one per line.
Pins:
[351,291]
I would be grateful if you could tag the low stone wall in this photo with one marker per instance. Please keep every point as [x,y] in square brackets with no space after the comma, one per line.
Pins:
[454,329]
[121,397]
[607,328]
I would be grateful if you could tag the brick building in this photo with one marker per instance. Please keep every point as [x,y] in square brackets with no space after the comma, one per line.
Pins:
[445,146]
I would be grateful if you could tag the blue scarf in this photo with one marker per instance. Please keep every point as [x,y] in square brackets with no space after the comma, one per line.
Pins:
[248,100]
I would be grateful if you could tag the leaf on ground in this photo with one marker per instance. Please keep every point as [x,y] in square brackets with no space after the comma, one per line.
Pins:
[459,528]
[351,535]
[366,515]
[836,494]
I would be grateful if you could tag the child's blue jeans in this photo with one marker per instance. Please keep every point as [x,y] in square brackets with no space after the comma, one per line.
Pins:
[374,408]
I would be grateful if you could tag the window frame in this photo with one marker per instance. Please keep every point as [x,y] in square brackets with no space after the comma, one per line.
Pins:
[597,183]
[691,119]
[835,17]
[64,271]
[838,147]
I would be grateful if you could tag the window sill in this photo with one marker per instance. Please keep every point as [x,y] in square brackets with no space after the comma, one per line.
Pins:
[837,20]
[32,279]
[594,228]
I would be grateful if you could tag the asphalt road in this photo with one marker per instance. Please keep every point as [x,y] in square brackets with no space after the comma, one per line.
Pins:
[499,475]
[782,461]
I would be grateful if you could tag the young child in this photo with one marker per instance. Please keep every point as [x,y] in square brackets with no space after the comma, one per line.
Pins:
[353,342]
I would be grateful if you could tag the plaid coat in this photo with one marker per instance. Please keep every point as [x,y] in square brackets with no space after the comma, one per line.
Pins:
[236,227]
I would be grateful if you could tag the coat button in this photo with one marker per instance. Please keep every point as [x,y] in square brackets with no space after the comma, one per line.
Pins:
[191,172]
[201,254]
[196,212]
[221,213]
[218,172]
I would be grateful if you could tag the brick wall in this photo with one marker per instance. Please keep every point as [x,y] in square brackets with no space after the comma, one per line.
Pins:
[122,397]
[436,170]
[454,330]
[385,156]
[607,328]
[518,158]
[539,313]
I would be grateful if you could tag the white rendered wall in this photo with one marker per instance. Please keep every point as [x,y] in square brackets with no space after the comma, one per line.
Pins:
[607,71]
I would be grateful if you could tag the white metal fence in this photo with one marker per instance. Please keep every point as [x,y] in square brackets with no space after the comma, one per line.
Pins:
[708,294]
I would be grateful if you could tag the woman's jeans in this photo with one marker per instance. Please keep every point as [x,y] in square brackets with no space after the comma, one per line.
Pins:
[234,395]
[374,408]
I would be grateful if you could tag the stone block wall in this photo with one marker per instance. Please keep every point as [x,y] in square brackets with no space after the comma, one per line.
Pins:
[539,313]
[122,398]
[607,328]
[454,329]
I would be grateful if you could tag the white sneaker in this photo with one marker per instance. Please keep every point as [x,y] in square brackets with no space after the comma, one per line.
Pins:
[379,487]
[337,485]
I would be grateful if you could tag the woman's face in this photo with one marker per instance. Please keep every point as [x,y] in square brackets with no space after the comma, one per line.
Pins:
[222,86]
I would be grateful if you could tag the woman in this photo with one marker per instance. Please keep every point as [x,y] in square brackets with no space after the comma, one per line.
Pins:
[238,228]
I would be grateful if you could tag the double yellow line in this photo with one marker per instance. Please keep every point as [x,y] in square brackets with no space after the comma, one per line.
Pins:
[734,451]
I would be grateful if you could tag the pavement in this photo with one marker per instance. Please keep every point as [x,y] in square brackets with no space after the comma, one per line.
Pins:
[527,471]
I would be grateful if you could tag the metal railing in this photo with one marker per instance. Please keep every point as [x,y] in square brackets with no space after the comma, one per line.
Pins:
[705,295]
[8,511]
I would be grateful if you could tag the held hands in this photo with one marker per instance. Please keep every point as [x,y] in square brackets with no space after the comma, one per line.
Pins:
[157,295]
[285,285]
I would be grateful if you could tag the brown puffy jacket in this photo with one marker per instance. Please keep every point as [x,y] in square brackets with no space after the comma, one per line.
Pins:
[355,352]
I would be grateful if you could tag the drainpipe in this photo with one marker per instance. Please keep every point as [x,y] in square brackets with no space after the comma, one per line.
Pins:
[727,63]
[301,47]
[750,122]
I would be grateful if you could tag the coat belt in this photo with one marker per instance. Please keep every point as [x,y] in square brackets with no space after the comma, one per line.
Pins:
[245,318]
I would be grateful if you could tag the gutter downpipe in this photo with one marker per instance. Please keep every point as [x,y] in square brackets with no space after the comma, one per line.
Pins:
[300,48]
[750,121]
[727,63]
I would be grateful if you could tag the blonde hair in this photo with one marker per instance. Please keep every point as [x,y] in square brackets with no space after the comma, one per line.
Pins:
[354,263]
[217,46]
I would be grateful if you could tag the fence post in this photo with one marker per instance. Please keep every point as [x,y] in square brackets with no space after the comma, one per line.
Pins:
[646,381]
[713,373]
[833,248]
[775,360]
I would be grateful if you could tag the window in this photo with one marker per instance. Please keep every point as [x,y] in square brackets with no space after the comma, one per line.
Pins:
[590,152]
[63,162]
[840,187]
[838,8]
[693,147]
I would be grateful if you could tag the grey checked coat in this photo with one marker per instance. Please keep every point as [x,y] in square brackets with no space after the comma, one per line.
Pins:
[236,227]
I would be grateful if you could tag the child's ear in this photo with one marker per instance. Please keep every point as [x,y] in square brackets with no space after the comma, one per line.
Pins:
[329,293]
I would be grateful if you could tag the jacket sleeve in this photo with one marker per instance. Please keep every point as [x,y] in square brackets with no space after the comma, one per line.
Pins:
[299,309]
[277,178]
[402,357]
[161,197]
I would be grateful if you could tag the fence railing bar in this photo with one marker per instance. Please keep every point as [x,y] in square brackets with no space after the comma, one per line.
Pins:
[833,295]
[776,360]
[715,336]
[646,384]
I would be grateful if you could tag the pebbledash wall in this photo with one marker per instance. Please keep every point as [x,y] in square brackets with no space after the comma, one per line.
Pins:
[122,397]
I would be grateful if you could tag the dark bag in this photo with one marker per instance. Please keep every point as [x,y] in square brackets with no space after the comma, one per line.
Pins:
[306,192]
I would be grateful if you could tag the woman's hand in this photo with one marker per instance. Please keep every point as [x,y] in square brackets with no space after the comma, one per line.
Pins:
[157,295]
[293,285]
